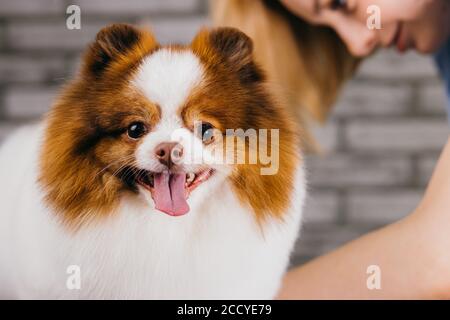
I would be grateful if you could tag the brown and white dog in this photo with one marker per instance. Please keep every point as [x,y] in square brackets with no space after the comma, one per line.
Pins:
[106,182]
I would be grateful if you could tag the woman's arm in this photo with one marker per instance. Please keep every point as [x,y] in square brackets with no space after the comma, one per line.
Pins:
[413,255]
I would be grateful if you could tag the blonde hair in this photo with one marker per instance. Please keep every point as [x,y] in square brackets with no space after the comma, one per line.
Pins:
[308,64]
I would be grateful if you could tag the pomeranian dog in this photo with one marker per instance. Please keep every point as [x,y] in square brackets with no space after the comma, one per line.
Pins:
[108,198]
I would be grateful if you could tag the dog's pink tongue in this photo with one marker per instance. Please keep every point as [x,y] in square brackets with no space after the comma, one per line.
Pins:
[170,193]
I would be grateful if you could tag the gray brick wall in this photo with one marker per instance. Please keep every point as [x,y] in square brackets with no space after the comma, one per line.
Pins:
[380,145]
[387,130]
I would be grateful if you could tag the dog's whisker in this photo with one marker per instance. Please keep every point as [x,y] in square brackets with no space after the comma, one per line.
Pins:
[113,163]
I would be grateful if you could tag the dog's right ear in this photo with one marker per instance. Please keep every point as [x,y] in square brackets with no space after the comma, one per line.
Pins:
[117,43]
[233,47]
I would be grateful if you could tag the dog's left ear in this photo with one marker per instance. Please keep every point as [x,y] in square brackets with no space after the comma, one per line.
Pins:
[232,45]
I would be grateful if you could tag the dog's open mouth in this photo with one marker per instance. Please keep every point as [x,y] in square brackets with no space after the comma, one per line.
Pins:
[170,190]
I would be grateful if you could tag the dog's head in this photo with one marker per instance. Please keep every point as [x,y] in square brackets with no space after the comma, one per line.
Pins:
[160,123]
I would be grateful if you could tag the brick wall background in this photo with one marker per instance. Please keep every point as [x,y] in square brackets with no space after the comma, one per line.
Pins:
[381,142]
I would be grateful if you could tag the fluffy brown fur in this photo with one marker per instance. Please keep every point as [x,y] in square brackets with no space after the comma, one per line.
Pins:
[241,99]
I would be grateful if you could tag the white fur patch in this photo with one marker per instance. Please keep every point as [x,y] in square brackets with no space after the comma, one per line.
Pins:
[166,77]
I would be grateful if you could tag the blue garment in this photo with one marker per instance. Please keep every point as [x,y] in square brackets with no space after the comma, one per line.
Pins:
[443,61]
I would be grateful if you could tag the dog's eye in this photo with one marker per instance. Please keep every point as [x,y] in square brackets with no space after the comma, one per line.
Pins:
[207,133]
[136,130]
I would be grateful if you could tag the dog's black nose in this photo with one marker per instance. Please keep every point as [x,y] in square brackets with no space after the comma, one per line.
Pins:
[169,153]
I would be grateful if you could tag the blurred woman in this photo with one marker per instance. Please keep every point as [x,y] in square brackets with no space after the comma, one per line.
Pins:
[306,64]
